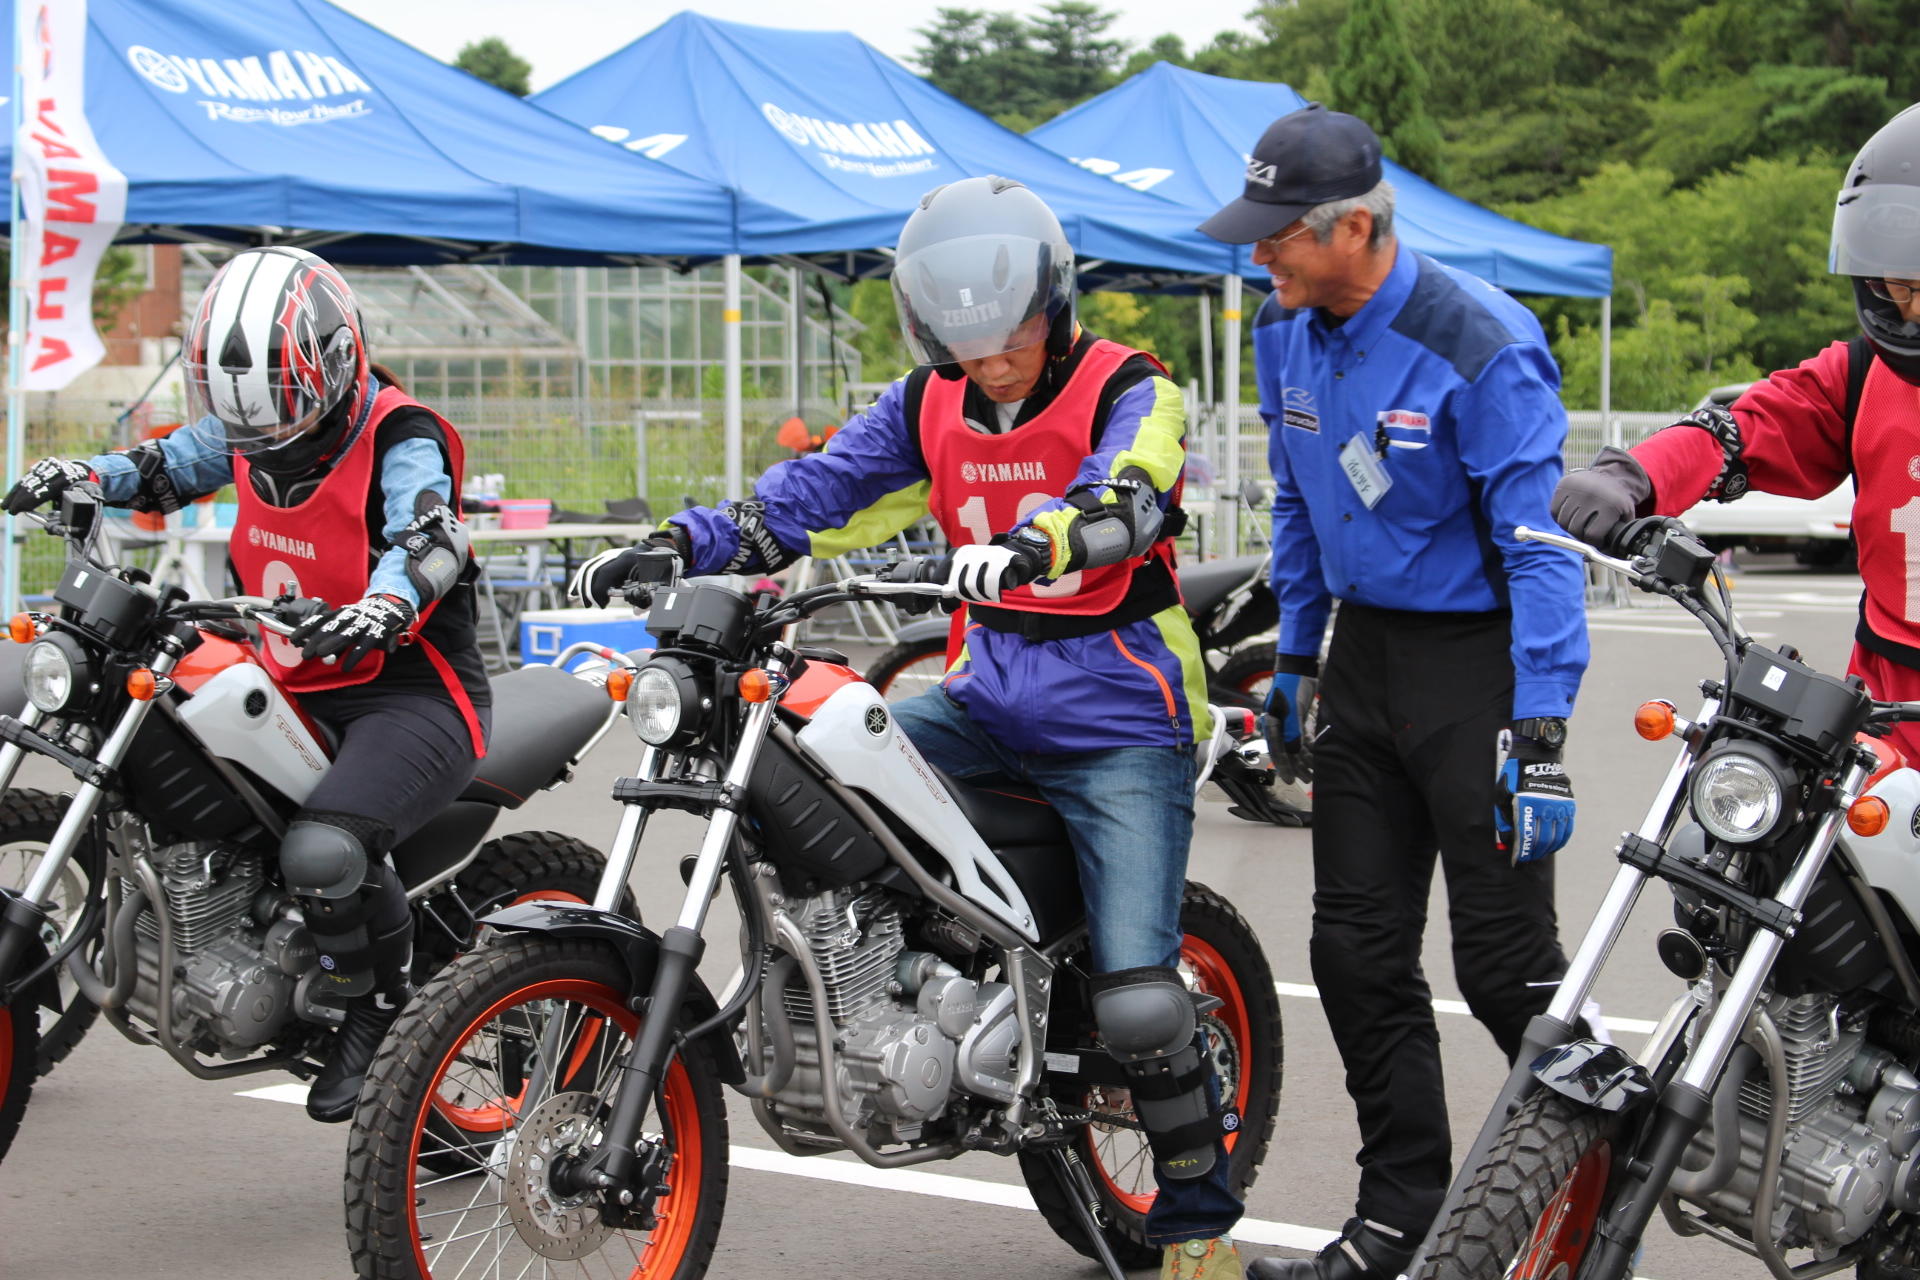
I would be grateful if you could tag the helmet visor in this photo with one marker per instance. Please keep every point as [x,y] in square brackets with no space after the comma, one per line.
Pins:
[252,411]
[980,296]
[1876,232]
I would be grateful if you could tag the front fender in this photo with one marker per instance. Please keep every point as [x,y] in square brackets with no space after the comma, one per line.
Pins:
[639,949]
[1599,1076]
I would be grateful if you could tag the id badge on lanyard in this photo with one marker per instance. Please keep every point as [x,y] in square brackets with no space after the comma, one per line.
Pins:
[1362,459]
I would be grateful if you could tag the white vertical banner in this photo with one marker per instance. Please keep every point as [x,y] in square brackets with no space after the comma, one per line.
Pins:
[72,199]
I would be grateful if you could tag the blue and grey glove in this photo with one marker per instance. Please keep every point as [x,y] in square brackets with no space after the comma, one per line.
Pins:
[1289,701]
[1533,799]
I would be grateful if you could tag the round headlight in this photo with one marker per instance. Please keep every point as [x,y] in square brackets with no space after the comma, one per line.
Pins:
[49,675]
[1737,797]
[653,704]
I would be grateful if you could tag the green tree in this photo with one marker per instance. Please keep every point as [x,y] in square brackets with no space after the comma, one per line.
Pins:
[1020,71]
[1076,56]
[1378,79]
[1299,41]
[491,60]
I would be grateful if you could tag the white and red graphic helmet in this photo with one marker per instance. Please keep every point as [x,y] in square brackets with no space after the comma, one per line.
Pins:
[276,344]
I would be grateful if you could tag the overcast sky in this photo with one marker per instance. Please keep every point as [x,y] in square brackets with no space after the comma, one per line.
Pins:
[559,37]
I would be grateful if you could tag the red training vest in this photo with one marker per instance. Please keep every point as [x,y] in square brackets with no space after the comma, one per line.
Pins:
[1886,508]
[321,548]
[982,485]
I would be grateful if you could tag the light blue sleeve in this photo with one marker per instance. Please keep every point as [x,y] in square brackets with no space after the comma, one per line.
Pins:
[409,469]
[196,466]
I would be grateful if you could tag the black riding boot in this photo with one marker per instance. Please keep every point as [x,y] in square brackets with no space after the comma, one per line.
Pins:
[1364,1251]
[336,1089]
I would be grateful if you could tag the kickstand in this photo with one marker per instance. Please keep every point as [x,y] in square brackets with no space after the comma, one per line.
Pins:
[1073,1179]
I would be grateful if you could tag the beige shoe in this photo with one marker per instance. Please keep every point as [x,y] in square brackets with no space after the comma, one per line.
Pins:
[1214,1259]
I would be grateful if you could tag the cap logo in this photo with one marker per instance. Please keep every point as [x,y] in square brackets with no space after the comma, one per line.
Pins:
[1260,173]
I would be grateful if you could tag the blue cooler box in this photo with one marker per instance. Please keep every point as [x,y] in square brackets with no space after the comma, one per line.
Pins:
[546,633]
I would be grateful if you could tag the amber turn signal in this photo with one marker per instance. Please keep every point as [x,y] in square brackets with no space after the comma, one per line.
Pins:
[20,628]
[1654,720]
[142,685]
[755,685]
[619,684]
[1868,816]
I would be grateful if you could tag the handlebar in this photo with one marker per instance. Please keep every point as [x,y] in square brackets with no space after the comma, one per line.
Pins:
[281,616]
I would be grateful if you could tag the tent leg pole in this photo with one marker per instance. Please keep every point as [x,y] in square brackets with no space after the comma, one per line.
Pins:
[796,322]
[730,331]
[1230,403]
[12,596]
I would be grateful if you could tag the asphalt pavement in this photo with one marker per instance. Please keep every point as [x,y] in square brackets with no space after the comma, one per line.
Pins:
[127,1164]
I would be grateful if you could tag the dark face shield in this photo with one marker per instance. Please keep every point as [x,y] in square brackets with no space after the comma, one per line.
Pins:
[979,296]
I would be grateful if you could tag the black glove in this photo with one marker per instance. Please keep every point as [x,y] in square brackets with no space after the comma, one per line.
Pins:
[356,630]
[1598,502]
[44,481]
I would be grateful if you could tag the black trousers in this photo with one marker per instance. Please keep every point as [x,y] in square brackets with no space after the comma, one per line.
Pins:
[404,755]
[1411,705]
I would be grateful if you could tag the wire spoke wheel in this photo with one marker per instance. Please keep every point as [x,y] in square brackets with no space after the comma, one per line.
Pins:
[28,820]
[495,1083]
[1531,1206]
[1219,957]
[909,669]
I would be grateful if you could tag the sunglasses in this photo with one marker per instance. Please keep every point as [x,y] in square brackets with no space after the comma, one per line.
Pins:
[1270,243]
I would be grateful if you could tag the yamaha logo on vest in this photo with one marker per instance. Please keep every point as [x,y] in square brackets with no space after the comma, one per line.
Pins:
[997,472]
[280,542]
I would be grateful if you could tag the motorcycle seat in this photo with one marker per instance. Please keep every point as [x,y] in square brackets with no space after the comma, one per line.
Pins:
[1007,814]
[1202,586]
[541,717]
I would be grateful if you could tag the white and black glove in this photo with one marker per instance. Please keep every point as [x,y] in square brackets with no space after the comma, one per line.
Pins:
[44,481]
[354,630]
[979,573]
[603,579]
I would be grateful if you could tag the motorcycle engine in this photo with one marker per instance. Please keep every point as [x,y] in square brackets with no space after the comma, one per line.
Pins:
[908,1028]
[1852,1147]
[240,951]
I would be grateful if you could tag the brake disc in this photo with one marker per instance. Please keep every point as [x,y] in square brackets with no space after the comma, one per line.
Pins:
[555,1225]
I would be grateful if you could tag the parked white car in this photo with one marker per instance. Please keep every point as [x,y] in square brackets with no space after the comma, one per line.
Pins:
[1818,531]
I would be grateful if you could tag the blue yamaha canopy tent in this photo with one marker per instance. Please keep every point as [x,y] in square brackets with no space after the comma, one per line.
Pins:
[830,144]
[1184,136]
[294,121]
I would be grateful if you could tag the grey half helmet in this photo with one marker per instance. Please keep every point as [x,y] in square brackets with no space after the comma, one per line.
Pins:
[1876,236]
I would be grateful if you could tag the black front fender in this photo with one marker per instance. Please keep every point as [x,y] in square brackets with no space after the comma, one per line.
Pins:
[639,948]
[1603,1077]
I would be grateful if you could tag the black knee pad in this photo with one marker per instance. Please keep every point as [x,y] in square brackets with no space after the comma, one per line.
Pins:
[1146,1018]
[366,940]
[321,858]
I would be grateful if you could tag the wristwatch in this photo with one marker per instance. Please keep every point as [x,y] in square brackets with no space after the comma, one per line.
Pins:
[1548,731]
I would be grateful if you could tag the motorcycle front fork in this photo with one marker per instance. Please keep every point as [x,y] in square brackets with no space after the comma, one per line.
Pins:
[24,915]
[618,1162]
[1684,1103]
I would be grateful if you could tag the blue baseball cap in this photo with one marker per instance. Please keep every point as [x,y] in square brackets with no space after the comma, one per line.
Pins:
[1305,158]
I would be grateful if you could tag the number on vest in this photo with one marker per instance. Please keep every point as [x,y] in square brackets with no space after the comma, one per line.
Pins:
[1906,522]
[973,518]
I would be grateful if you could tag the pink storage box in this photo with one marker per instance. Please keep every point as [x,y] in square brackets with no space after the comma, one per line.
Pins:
[525,513]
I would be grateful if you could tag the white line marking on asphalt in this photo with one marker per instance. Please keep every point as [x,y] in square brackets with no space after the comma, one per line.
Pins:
[1661,631]
[294,1093]
[1307,991]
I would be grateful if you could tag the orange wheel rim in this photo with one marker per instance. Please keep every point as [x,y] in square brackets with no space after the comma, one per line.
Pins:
[1565,1229]
[1212,976]
[675,1211]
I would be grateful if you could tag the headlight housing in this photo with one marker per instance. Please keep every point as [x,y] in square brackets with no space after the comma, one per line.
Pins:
[665,704]
[55,673]
[1739,795]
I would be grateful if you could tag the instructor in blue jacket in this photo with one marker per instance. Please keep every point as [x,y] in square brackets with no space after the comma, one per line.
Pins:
[1415,421]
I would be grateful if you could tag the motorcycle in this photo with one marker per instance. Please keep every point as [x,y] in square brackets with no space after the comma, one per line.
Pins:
[913,985]
[153,895]
[1776,1106]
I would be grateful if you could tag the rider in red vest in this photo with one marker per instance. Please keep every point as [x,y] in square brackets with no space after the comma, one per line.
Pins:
[1850,412]
[1051,460]
[349,494]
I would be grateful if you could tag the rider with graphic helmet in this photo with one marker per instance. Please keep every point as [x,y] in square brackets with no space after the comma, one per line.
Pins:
[348,493]
[1050,459]
[1849,412]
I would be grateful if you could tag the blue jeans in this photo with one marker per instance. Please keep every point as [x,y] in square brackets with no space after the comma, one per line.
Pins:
[1129,813]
